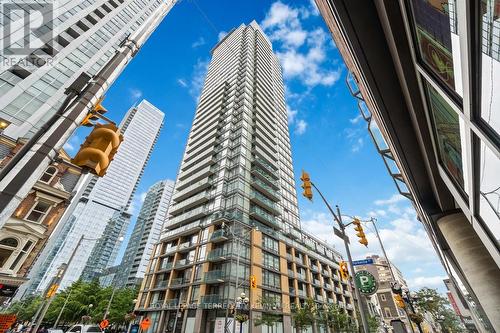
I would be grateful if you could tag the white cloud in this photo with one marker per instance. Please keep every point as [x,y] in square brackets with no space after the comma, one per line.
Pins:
[300,127]
[302,52]
[357,145]
[221,35]
[142,196]
[356,120]
[198,77]
[291,114]
[135,94]
[313,8]
[395,198]
[199,42]
[427,281]
[182,83]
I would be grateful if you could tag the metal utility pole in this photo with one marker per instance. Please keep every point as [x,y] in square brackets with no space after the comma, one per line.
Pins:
[62,309]
[18,176]
[338,218]
[109,303]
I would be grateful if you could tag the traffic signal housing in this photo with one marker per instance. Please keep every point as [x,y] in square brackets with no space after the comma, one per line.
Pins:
[399,301]
[51,291]
[99,148]
[344,271]
[306,185]
[93,115]
[253,282]
[360,232]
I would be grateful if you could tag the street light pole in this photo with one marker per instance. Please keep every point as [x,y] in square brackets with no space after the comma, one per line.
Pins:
[62,309]
[338,219]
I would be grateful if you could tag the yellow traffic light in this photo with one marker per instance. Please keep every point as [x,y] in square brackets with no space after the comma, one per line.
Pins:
[98,108]
[52,291]
[92,115]
[360,232]
[99,148]
[306,185]
[87,121]
[344,271]
[253,282]
[399,301]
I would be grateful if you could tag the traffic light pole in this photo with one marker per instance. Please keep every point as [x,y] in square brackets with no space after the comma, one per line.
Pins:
[338,218]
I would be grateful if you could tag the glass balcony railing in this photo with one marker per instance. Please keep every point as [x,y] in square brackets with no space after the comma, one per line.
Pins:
[263,216]
[292,291]
[191,189]
[178,282]
[258,171]
[210,299]
[331,301]
[166,266]
[338,290]
[218,254]
[191,215]
[161,284]
[171,303]
[216,276]
[265,188]
[183,262]
[302,293]
[262,200]
[219,235]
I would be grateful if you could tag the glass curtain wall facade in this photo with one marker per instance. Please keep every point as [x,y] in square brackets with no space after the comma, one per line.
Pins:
[80,36]
[145,235]
[105,201]
[436,93]
[233,217]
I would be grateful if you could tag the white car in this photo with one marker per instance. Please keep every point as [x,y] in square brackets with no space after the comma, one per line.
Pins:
[81,328]
[55,330]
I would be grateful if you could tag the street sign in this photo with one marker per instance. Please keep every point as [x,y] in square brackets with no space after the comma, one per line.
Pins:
[145,323]
[362,262]
[103,324]
[366,282]
[340,235]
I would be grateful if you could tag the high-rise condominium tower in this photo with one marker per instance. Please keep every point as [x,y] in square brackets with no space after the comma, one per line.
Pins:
[146,234]
[233,223]
[76,36]
[105,201]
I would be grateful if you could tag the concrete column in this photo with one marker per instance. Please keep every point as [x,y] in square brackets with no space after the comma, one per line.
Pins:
[478,267]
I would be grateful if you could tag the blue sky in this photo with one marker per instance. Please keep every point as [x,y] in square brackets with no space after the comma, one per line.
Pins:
[328,137]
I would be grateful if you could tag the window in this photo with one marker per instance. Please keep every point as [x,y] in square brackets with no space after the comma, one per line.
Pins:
[270,244]
[387,312]
[49,173]
[20,256]
[490,62]
[447,133]
[7,247]
[437,38]
[382,298]
[38,212]
[489,191]
[271,261]
[271,279]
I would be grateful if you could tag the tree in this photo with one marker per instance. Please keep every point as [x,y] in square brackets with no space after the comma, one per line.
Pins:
[373,324]
[334,317]
[303,316]
[267,319]
[26,309]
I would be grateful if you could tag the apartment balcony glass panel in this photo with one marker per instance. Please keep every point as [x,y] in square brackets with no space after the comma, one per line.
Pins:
[262,216]
[208,301]
[178,282]
[166,266]
[219,236]
[264,176]
[192,189]
[160,284]
[189,203]
[183,263]
[264,202]
[217,276]
[189,216]
[263,187]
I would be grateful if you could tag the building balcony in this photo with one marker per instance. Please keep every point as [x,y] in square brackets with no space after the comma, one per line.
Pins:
[264,188]
[301,276]
[266,166]
[197,164]
[338,290]
[219,236]
[319,298]
[316,282]
[330,301]
[264,217]
[314,267]
[264,202]
[160,284]
[336,277]
[349,306]
[191,189]
[264,176]
[196,200]
[217,276]
[165,267]
[209,170]
[341,304]
[328,286]
[290,273]
[325,272]
[183,263]
[171,303]
[302,293]
[347,293]
[217,255]
[291,291]
[156,305]
[289,257]
[208,300]
[188,216]
[178,282]
[186,246]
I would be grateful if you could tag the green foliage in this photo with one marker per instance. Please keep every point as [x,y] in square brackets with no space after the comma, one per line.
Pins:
[78,298]
[303,317]
[333,316]
[429,300]
[373,324]
[267,319]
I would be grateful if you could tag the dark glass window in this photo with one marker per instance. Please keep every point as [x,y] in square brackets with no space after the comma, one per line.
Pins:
[446,127]
[435,30]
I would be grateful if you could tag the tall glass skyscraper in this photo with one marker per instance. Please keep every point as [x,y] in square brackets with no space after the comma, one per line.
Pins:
[233,220]
[76,36]
[104,201]
[145,235]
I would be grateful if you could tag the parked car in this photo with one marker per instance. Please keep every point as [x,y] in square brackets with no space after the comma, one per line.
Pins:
[55,330]
[81,328]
